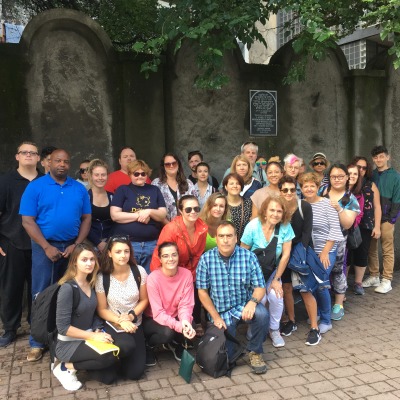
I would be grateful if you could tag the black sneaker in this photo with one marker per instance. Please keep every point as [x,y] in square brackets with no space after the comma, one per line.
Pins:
[313,337]
[176,348]
[288,327]
[7,338]
[150,357]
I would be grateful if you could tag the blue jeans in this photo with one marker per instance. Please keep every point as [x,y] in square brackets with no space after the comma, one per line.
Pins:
[323,296]
[259,329]
[143,252]
[46,272]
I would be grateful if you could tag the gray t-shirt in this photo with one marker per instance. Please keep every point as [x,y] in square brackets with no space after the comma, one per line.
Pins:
[84,318]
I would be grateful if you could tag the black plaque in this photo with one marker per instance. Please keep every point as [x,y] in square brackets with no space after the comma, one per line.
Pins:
[263,113]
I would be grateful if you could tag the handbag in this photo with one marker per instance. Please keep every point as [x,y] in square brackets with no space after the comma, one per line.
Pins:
[354,238]
[267,256]
[186,367]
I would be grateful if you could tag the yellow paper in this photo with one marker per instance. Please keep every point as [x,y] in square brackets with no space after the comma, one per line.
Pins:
[103,347]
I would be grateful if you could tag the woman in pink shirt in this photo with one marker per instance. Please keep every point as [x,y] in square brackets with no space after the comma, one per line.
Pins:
[168,319]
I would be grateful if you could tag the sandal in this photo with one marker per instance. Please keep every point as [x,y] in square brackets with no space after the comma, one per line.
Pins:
[199,330]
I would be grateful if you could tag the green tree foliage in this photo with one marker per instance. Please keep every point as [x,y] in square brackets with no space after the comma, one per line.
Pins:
[211,27]
[125,21]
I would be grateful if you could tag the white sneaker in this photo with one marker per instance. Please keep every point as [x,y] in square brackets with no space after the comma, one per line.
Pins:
[67,378]
[371,281]
[277,340]
[384,287]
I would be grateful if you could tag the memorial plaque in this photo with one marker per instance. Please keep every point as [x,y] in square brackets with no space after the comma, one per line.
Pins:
[263,113]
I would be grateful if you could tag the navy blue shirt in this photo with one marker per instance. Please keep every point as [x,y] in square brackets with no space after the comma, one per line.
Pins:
[57,208]
[132,198]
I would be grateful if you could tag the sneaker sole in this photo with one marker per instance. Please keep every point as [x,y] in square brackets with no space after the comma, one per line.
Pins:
[337,318]
[278,345]
[260,371]
[70,389]
[373,285]
[383,292]
[314,344]
[288,334]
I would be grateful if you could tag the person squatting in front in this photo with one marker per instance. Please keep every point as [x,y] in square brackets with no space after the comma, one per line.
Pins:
[76,326]
[231,285]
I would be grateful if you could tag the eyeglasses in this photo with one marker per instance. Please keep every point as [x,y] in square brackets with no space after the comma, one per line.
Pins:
[292,167]
[83,170]
[361,167]
[136,174]
[315,163]
[263,163]
[31,153]
[287,190]
[337,177]
[170,164]
[188,210]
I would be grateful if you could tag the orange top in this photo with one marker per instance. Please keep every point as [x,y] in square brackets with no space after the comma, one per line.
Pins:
[175,231]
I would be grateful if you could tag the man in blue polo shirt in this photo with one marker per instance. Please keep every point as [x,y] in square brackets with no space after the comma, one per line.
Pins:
[56,214]
[231,287]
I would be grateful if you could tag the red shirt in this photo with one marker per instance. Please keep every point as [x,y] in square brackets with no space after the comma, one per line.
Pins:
[118,178]
[176,231]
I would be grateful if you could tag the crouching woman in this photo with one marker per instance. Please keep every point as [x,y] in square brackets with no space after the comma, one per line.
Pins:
[168,319]
[77,324]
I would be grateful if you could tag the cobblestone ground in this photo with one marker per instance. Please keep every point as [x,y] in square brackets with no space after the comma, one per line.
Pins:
[358,359]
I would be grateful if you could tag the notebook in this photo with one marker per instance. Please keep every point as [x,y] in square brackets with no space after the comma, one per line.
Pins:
[102,347]
[115,326]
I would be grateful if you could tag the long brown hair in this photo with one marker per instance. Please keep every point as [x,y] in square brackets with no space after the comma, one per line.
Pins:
[71,271]
[106,262]
[183,185]
[205,212]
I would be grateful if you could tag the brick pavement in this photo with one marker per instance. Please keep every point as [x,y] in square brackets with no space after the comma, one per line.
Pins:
[358,359]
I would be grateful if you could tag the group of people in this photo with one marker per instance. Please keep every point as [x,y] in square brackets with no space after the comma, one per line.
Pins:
[149,256]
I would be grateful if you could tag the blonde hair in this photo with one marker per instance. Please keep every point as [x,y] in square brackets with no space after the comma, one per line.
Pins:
[94,164]
[281,201]
[71,271]
[205,212]
[138,164]
[309,177]
[249,175]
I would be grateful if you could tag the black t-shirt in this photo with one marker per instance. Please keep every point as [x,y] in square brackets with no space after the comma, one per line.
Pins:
[302,227]
[12,186]
[132,198]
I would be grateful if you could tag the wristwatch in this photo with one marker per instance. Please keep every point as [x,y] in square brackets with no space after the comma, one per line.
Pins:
[253,299]
[135,317]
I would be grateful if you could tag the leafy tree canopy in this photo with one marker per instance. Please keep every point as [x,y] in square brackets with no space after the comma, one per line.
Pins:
[212,26]
[125,21]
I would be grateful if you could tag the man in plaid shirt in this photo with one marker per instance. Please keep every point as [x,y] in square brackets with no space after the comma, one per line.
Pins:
[231,286]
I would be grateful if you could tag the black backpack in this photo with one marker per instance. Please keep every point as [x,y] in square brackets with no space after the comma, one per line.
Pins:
[43,319]
[136,275]
[212,355]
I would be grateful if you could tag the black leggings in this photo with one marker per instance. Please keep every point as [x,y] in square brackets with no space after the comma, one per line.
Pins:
[156,334]
[132,352]
[101,367]
[197,306]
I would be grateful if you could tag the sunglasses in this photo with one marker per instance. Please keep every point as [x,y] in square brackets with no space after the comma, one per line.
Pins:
[170,164]
[188,210]
[258,163]
[361,167]
[118,238]
[287,190]
[136,174]
[83,170]
[315,163]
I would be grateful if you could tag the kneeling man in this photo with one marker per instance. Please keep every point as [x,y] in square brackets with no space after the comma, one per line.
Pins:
[231,286]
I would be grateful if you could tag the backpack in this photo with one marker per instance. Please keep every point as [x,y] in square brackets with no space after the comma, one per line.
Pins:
[212,354]
[43,317]
[136,275]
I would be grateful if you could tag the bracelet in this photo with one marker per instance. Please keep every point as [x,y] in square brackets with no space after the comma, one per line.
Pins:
[341,210]
[135,317]
[76,243]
